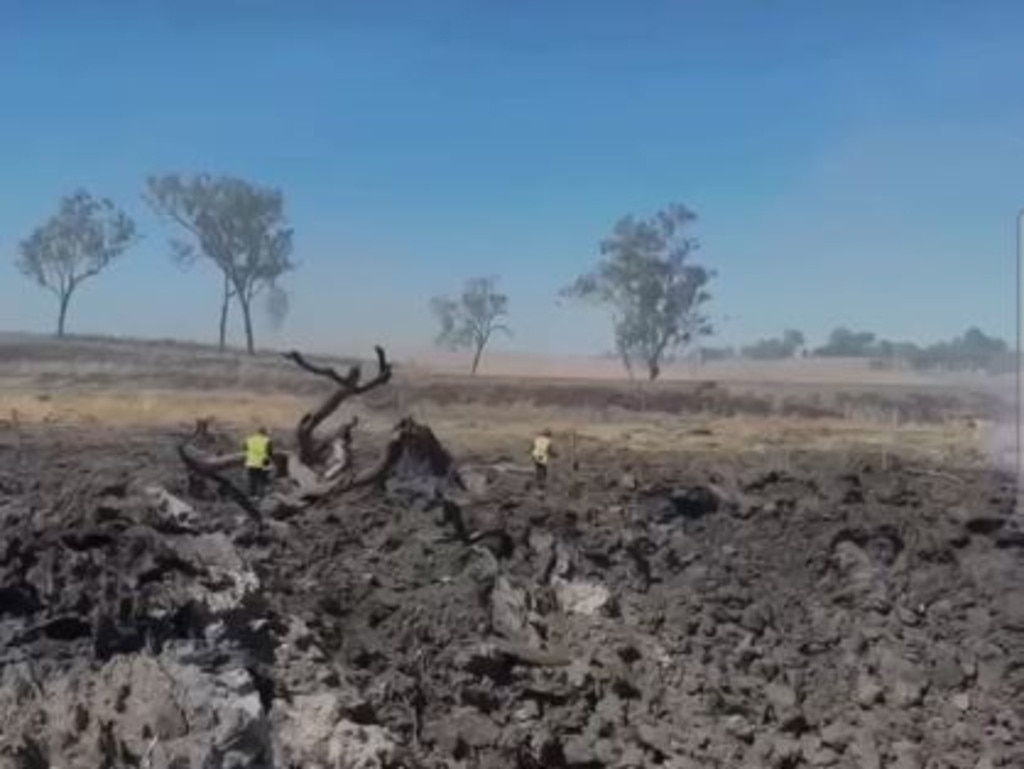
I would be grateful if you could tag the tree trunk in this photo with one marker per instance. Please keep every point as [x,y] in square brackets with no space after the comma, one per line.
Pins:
[225,305]
[250,343]
[65,300]
[653,370]
[476,359]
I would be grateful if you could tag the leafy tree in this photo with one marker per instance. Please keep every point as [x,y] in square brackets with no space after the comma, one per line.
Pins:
[238,226]
[844,343]
[977,350]
[794,340]
[75,244]
[469,321]
[974,350]
[655,294]
[776,349]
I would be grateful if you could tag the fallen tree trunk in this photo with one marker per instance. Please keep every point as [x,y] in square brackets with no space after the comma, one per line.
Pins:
[321,466]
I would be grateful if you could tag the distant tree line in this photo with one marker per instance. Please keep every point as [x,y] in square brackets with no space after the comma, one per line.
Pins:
[787,346]
[972,351]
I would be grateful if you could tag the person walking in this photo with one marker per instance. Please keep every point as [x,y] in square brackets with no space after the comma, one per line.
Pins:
[542,453]
[259,453]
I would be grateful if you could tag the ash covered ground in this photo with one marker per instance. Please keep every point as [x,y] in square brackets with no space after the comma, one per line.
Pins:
[688,612]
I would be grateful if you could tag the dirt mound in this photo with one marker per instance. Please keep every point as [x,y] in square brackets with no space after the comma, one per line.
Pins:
[834,616]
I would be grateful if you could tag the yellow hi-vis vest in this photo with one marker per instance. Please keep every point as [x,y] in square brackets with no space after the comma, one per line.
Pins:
[257,451]
[541,449]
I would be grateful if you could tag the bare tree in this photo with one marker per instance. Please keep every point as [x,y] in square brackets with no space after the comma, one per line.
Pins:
[75,244]
[654,292]
[470,321]
[238,226]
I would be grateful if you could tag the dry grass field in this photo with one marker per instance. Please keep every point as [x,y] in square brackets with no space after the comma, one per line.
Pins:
[753,408]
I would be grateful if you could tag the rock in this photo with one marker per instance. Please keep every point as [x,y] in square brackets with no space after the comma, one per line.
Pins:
[584,750]
[865,751]
[781,696]
[907,682]
[578,597]
[542,546]
[907,755]
[463,727]
[837,735]
[610,710]
[657,738]
[354,746]
[510,611]
[754,619]
[175,711]
[962,701]
[303,729]
[1010,539]
[229,581]
[693,502]
[869,692]
[629,481]
[475,482]
[908,692]
[786,752]
[170,509]
[992,672]
[740,728]
[822,756]
[1012,613]
[978,522]
[947,672]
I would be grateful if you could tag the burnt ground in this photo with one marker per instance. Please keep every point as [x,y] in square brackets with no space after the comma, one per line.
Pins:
[692,613]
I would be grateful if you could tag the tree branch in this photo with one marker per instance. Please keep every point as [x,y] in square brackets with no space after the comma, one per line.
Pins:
[210,469]
[311,451]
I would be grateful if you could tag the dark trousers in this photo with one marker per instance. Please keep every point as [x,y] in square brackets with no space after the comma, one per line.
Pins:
[259,477]
[540,472]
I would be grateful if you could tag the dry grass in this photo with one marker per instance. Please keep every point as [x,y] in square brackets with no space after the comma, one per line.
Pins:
[153,408]
[128,384]
[506,430]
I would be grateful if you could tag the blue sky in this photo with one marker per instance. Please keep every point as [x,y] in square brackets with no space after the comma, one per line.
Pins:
[850,163]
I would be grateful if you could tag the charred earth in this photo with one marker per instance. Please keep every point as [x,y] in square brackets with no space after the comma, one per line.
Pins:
[695,613]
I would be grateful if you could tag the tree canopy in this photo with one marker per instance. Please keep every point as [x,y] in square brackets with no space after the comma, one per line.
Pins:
[973,350]
[238,226]
[471,320]
[786,346]
[656,295]
[77,243]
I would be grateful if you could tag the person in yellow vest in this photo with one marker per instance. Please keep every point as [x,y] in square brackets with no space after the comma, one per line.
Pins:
[259,453]
[542,453]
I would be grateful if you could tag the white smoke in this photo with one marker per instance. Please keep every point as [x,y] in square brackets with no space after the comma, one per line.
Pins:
[999,439]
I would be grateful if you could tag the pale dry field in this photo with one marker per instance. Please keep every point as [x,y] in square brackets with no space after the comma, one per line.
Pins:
[505,432]
[126,384]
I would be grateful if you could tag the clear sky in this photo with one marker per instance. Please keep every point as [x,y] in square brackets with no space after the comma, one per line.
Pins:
[854,163]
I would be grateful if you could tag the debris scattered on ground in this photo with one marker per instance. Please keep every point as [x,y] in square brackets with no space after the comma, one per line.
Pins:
[722,615]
